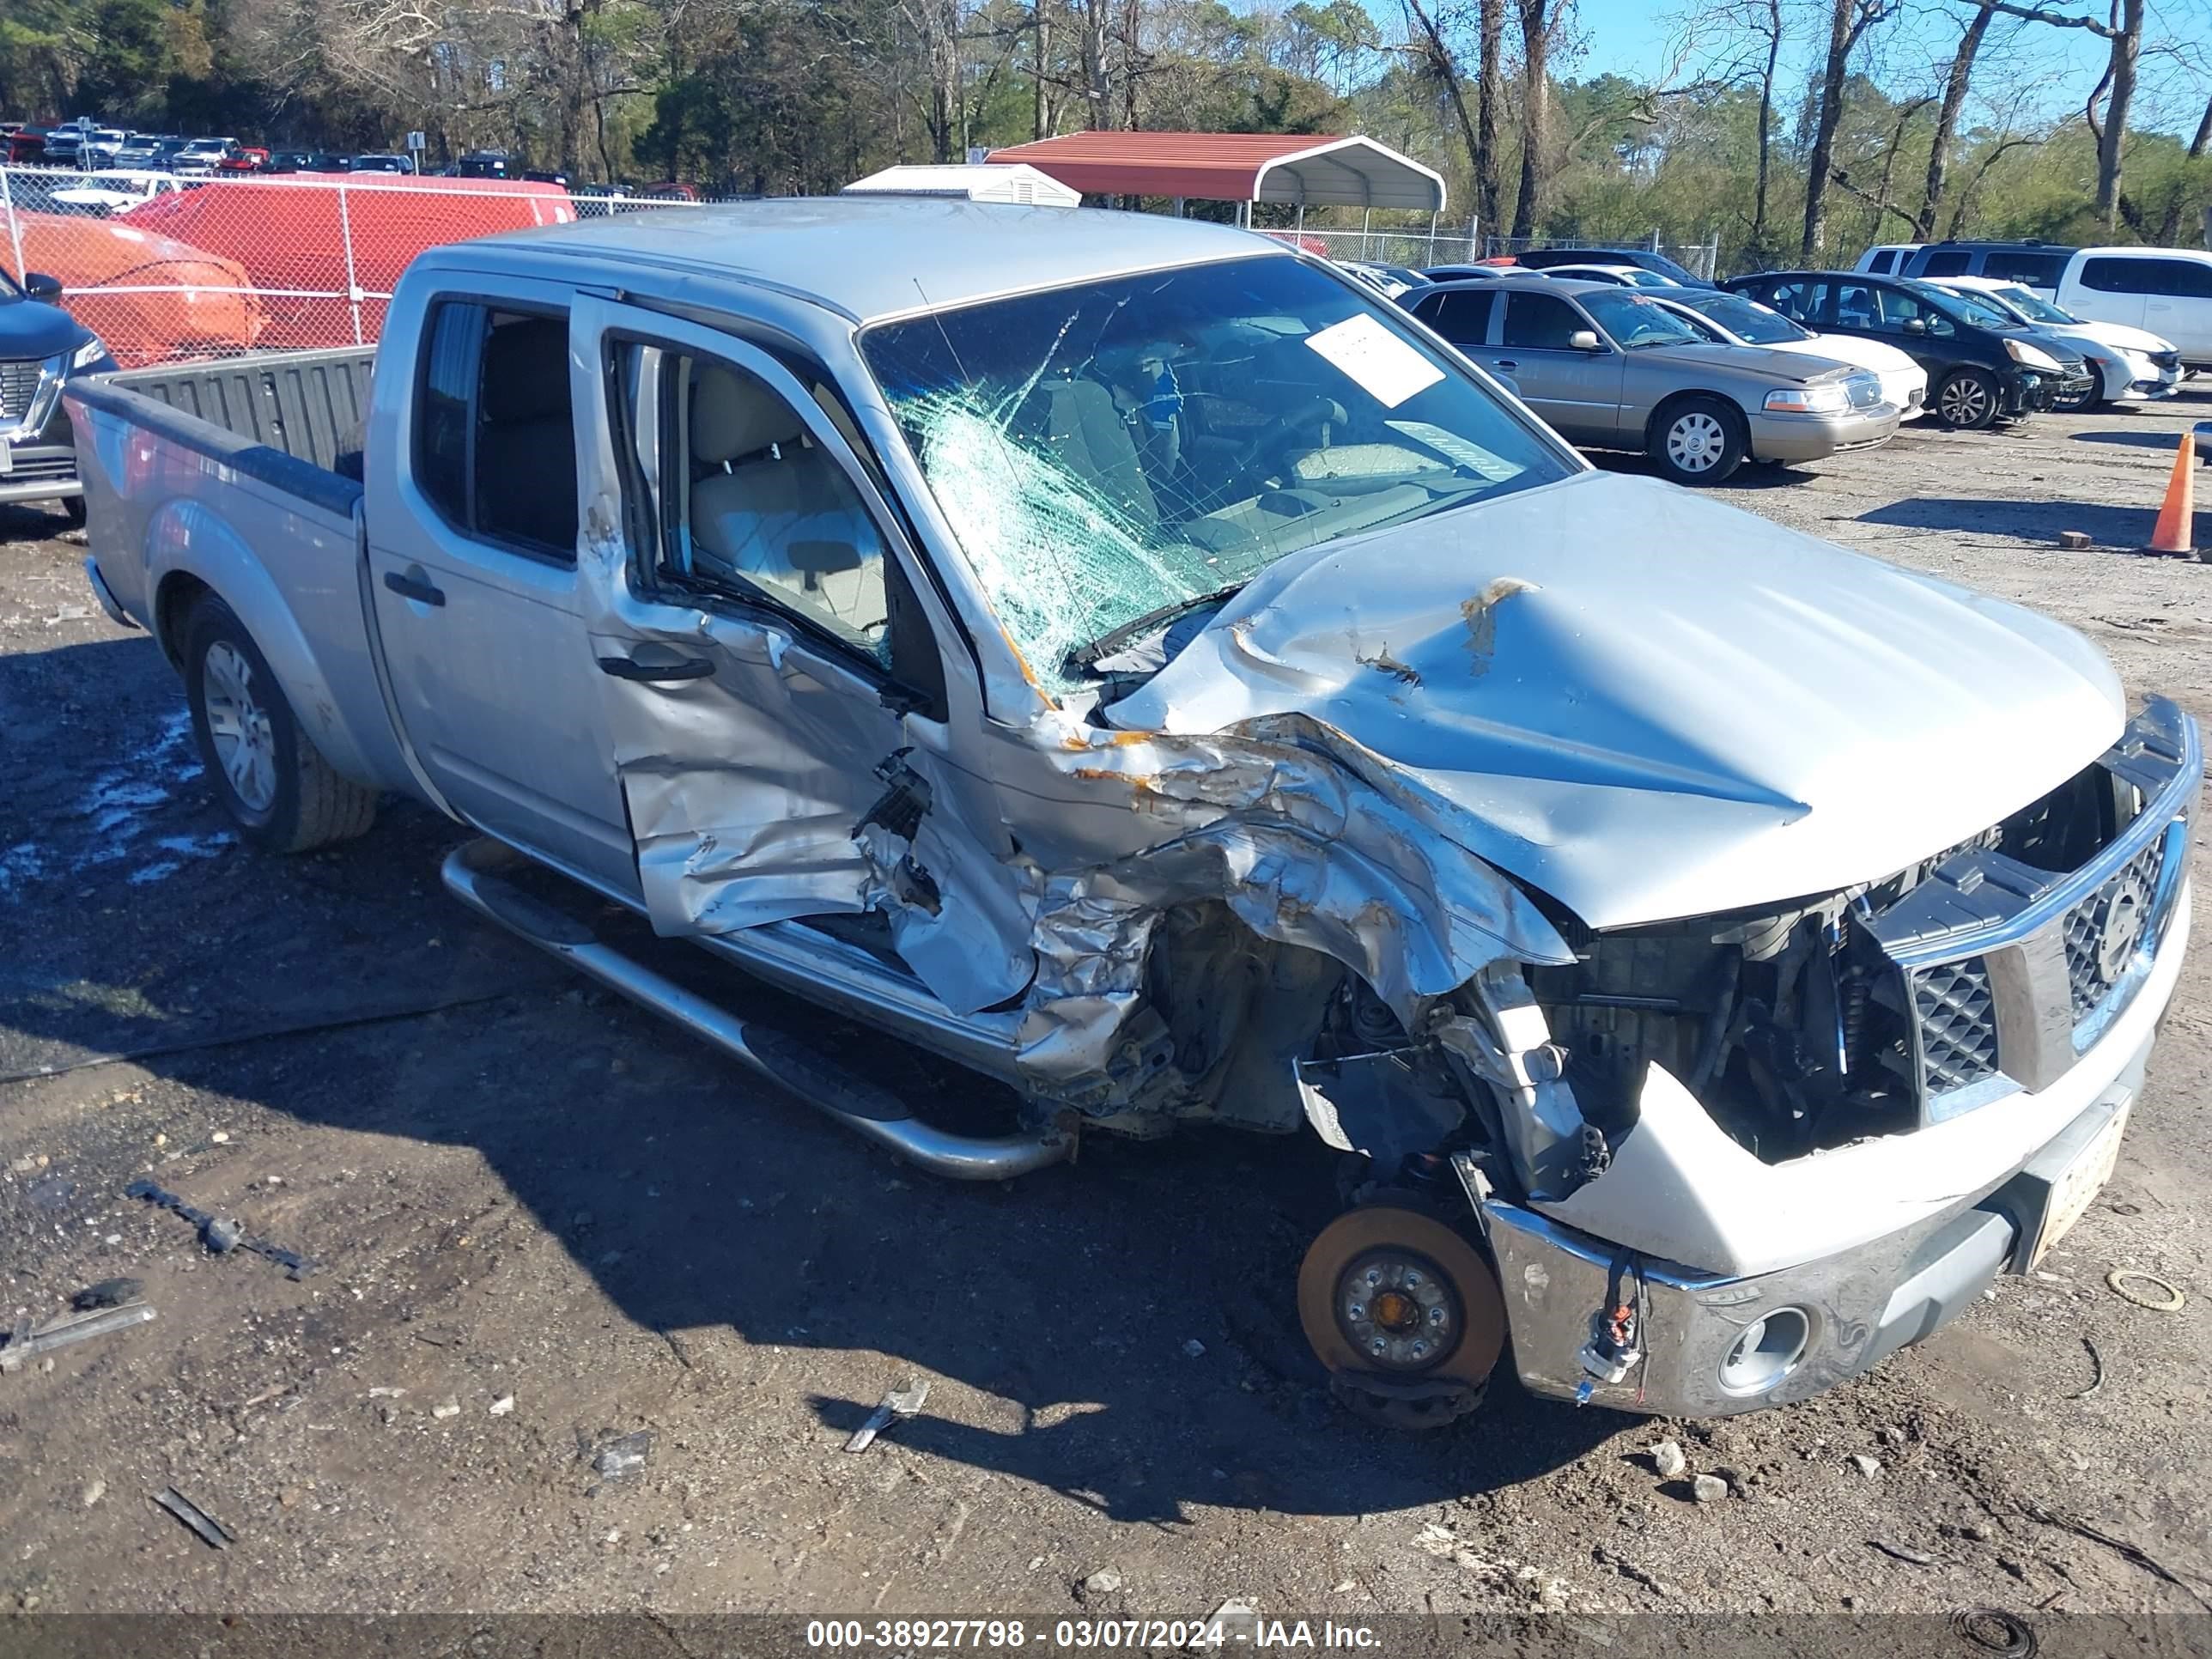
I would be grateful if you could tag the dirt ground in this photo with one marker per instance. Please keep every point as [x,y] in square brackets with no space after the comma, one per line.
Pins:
[521,1190]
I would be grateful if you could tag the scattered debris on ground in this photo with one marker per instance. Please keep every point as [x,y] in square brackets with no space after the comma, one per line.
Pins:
[219,1233]
[895,1405]
[210,1529]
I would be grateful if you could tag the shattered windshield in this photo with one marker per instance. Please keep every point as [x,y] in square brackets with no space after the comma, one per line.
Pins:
[1109,452]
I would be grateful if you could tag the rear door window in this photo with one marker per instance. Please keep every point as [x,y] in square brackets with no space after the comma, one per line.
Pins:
[1461,316]
[2033,269]
[2110,274]
[1881,262]
[1951,261]
[494,437]
[1801,299]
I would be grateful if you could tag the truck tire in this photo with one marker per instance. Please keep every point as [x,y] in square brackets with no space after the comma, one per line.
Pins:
[1697,441]
[270,776]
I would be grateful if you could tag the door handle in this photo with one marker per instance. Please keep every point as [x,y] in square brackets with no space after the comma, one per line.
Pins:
[1504,362]
[413,587]
[684,668]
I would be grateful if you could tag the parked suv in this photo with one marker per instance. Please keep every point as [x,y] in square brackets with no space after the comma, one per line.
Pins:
[2030,263]
[1983,367]
[41,346]
[1611,368]
[2166,290]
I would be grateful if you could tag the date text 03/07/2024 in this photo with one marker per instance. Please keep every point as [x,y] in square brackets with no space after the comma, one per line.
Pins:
[1232,1626]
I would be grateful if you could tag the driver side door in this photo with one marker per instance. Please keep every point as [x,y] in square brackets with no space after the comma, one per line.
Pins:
[1577,391]
[772,683]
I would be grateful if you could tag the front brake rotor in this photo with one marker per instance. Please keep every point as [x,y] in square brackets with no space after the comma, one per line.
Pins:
[1394,1301]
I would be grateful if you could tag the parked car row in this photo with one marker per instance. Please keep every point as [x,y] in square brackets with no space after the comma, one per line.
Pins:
[2166,291]
[1625,349]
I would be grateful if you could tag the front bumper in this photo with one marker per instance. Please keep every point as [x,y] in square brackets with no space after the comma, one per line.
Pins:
[38,453]
[2079,971]
[1816,437]
[1850,1312]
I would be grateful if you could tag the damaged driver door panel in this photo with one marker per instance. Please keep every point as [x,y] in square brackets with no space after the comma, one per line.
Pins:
[772,683]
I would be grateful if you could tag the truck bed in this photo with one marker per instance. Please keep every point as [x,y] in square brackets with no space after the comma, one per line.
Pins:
[309,405]
[243,477]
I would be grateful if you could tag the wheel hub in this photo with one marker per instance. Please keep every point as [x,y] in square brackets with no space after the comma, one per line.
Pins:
[1396,1309]
[239,727]
[1404,1311]
[1694,442]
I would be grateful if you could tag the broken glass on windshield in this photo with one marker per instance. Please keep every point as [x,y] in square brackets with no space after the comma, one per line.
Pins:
[1108,452]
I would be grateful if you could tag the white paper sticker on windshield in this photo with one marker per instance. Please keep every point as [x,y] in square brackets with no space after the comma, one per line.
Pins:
[1386,368]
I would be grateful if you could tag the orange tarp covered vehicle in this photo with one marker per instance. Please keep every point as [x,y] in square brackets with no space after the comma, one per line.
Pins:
[150,298]
[325,253]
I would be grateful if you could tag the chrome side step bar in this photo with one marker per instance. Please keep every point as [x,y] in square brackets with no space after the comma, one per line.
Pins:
[473,874]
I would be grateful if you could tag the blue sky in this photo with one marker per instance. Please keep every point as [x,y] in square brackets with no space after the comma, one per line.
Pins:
[1631,38]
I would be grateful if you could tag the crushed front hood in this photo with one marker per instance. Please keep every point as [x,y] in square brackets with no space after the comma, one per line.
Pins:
[1649,705]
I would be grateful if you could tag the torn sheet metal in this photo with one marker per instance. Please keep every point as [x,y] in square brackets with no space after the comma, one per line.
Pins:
[779,785]
[1282,820]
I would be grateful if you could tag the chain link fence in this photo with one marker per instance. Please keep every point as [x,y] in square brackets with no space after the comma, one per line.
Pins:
[1698,259]
[1412,249]
[166,268]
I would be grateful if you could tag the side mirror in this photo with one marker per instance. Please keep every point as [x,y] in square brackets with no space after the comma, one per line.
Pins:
[1916,326]
[1584,339]
[39,286]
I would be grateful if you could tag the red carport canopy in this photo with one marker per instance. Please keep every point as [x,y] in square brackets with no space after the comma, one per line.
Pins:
[1236,166]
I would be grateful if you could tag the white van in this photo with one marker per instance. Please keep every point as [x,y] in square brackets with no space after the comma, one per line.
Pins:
[1888,258]
[2167,290]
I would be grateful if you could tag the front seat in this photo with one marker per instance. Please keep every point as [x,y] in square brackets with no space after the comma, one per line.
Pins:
[771,507]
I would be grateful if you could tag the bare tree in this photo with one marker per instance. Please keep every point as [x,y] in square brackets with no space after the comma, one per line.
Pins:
[1040,70]
[1767,20]
[1538,18]
[2121,30]
[1848,23]
[1879,197]
[1956,82]
[2169,229]
[1490,100]
[1437,59]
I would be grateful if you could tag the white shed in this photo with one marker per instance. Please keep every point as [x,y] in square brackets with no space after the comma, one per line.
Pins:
[1005,182]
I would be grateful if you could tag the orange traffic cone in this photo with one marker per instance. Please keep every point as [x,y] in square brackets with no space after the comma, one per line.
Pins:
[2176,515]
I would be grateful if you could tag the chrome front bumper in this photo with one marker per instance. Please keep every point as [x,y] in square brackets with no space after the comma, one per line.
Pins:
[2072,1053]
[1851,1311]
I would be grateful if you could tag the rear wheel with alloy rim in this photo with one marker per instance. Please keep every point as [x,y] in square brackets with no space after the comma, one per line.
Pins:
[1698,441]
[271,779]
[1966,401]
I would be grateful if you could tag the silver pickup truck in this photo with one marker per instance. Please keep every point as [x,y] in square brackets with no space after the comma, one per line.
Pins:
[1132,661]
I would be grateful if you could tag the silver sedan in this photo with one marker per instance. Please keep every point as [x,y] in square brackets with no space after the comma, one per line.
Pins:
[1611,369]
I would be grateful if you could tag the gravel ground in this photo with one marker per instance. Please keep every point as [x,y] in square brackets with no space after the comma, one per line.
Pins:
[522,1191]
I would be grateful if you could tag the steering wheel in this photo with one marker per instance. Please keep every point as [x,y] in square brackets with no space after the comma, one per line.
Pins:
[1276,439]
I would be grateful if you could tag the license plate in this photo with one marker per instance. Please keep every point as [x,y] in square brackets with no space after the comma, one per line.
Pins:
[2084,1177]
[7,458]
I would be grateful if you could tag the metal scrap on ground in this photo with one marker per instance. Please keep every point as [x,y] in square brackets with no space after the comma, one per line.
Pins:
[24,1343]
[896,1404]
[220,1234]
[209,1529]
